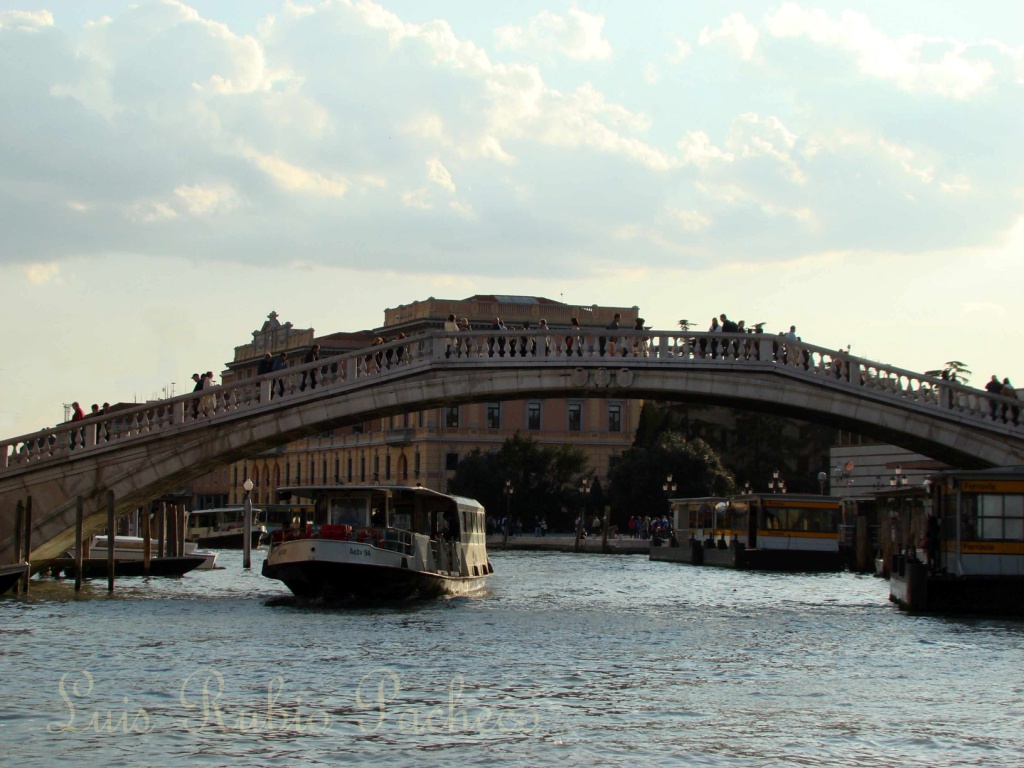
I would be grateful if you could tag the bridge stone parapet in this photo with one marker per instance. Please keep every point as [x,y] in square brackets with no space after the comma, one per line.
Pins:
[142,452]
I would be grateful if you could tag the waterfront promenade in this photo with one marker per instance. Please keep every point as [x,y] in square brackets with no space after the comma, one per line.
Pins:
[565,542]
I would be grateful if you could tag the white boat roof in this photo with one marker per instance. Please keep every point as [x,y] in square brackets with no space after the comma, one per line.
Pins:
[319,491]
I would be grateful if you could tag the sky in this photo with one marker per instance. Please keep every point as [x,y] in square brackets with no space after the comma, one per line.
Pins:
[172,172]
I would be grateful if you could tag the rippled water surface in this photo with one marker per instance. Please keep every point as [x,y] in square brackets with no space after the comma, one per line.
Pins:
[569,660]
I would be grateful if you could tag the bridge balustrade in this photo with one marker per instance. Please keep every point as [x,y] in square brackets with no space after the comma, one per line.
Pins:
[559,347]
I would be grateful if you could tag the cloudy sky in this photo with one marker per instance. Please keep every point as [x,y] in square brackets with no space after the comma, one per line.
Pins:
[171,172]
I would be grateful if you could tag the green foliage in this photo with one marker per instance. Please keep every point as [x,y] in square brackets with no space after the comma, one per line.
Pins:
[637,479]
[544,479]
[954,370]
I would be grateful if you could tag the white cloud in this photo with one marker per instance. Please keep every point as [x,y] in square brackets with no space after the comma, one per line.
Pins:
[916,63]
[295,178]
[692,221]
[41,274]
[25,21]
[578,35]
[438,174]
[698,149]
[206,200]
[682,50]
[150,212]
[734,30]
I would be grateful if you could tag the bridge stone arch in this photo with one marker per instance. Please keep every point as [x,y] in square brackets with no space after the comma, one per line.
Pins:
[141,454]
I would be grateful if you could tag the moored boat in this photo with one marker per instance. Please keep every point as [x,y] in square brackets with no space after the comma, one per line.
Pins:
[223,527]
[9,575]
[382,543]
[956,544]
[772,532]
[132,548]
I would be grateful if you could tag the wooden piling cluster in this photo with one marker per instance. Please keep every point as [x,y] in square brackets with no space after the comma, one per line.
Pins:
[170,537]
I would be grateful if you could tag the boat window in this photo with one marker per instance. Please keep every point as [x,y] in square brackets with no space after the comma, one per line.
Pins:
[812,520]
[995,516]
[349,511]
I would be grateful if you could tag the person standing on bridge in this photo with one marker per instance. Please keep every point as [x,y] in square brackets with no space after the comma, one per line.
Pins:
[450,326]
[280,364]
[993,387]
[77,414]
[266,365]
[602,341]
[311,357]
[1009,391]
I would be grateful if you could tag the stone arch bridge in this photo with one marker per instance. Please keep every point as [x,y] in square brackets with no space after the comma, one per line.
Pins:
[141,453]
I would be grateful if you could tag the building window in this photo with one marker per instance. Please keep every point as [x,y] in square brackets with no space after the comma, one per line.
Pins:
[312,469]
[575,417]
[362,469]
[298,472]
[612,461]
[494,416]
[387,466]
[451,461]
[533,414]
[323,472]
[614,418]
[451,416]
[348,463]
[337,470]
[376,467]
[416,464]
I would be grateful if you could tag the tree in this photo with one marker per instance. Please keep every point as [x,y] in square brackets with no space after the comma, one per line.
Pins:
[637,478]
[954,370]
[543,479]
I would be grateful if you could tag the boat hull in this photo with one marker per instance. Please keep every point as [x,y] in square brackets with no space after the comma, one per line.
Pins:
[95,568]
[324,580]
[783,560]
[229,540]
[9,575]
[914,589]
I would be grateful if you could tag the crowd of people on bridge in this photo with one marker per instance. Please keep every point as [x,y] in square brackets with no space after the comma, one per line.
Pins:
[999,409]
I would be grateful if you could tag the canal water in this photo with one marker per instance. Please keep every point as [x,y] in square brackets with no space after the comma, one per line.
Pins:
[569,660]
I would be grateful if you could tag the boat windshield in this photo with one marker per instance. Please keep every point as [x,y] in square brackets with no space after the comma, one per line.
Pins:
[349,510]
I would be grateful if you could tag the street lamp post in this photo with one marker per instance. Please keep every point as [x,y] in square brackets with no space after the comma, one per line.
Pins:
[247,525]
[669,489]
[584,490]
[776,484]
[508,490]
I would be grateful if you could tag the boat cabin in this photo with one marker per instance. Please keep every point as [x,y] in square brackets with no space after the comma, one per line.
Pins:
[203,521]
[963,523]
[762,521]
[389,512]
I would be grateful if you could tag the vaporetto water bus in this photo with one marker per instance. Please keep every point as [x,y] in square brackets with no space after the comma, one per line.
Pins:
[223,527]
[957,542]
[775,532]
[380,542]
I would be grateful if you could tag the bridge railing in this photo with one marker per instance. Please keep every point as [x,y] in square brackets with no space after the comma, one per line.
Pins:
[600,348]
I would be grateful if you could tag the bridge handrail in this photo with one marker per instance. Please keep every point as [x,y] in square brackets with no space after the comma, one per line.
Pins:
[606,347]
